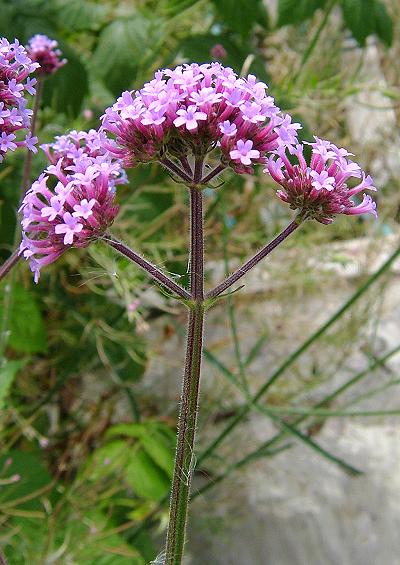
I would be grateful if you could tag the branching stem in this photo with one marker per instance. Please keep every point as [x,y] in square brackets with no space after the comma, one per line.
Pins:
[9,264]
[253,261]
[144,264]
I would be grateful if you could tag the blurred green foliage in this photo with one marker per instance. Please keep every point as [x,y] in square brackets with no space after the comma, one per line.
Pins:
[75,486]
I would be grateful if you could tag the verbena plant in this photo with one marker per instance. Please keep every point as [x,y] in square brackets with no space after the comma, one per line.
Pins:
[196,121]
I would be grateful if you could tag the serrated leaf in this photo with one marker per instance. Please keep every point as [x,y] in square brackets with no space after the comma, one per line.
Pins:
[297,11]
[124,46]
[383,24]
[80,15]
[359,17]
[7,376]
[27,331]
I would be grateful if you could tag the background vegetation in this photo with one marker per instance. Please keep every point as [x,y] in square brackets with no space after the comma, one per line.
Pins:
[87,443]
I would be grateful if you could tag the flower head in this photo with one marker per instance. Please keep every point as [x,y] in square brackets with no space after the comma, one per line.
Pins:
[44,51]
[15,68]
[319,190]
[73,202]
[194,108]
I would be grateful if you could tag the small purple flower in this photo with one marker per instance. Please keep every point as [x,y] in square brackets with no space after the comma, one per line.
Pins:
[227,128]
[70,227]
[15,68]
[55,209]
[244,152]
[189,117]
[319,190]
[7,142]
[322,180]
[31,142]
[84,209]
[44,51]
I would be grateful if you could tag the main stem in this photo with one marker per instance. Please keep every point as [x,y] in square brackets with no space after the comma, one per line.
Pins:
[184,458]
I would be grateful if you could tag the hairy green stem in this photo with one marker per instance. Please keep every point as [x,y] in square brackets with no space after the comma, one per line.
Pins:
[184,458]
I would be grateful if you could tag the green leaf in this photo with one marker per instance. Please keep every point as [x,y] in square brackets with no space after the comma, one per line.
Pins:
[297,11]
[80,15]
[125,46]
[27,331]
[359,17]
[242,15]
[383,24]
[146,465]
[7,376]
[145,477]
[108,459]
[155,440]
[32,477]
[175,7]
[66,89]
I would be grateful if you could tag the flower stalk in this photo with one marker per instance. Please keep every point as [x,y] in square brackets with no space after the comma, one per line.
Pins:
[253,261]
[9,264]
[184,458]
[144,264]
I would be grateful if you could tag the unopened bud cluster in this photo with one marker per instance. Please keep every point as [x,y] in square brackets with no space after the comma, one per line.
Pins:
[45,52]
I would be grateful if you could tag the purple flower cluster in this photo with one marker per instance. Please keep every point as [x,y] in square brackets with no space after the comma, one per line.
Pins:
[15,68]
[194,108]
[319,190]
[44,51]
[184,112]
[73,202]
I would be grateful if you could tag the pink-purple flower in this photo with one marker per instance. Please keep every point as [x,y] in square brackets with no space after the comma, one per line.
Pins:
[322,188]
[44,51]
[73,202]
[244,152]
[15,83]
[194,108]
